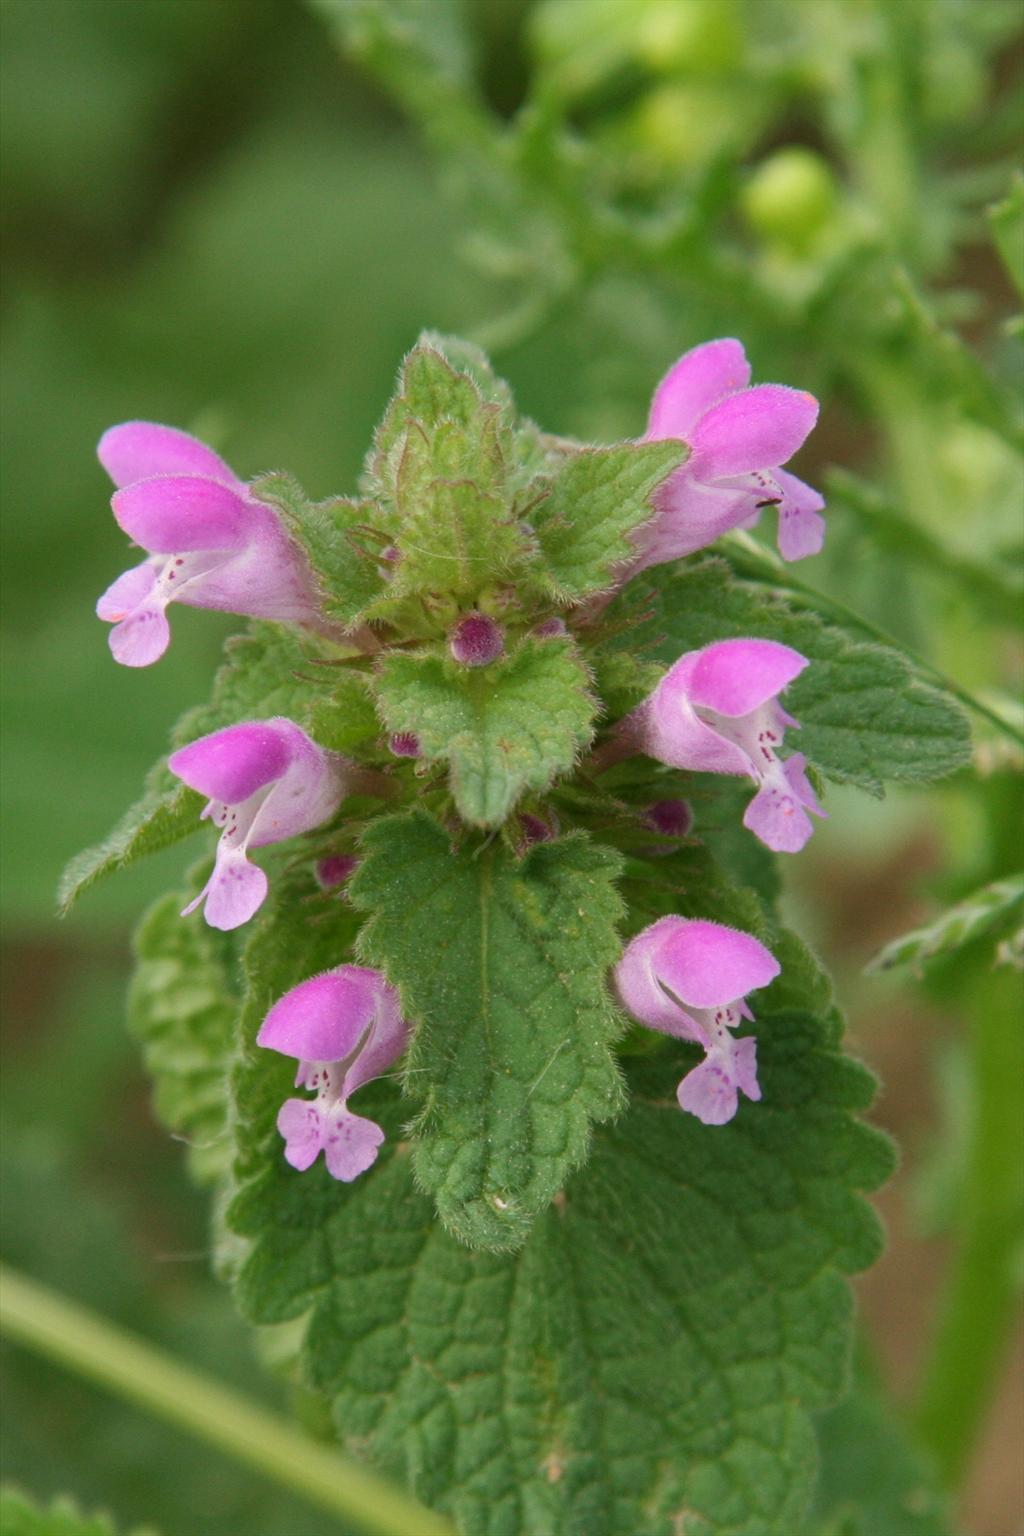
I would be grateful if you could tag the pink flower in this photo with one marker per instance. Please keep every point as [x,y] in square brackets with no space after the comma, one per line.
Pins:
[345,1029]
[717,711]
[690,978]
[266,781]
[209,542]
[738,438]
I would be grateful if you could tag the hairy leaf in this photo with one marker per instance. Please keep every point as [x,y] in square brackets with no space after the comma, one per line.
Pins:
[1007,219]
[341,542]
[267,671]
[431,393]
[453,533]
[501,965]
[993,910]
[866,716]
[503,729]
[649,1362]
[167,812]
[596,499]
[182,1007]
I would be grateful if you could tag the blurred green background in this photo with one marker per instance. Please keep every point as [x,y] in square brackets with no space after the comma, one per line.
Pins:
[212,220]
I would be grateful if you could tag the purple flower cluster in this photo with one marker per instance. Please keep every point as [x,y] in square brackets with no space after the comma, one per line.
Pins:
[211,543]
[717,709]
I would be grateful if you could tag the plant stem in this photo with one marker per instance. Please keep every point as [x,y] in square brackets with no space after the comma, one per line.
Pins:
[979,1305]
[60,1329]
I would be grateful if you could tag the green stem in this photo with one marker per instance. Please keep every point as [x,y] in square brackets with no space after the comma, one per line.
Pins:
[979,1305]
[60,1329]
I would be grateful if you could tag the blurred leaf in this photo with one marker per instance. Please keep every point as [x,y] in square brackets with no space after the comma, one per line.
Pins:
[992,910]
[952,370]
[874,1480]
[1007,220]
[417,45]
[19,1516]
[996,587]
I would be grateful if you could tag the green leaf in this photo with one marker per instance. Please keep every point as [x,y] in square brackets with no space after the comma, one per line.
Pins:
[866,715]
[340,540]
[648,1362]
[690,881]
[431,393]
[466,357]
[1007,220]
[346,718]
[443,469]
[503,729]
[501,965]
[993,910]
[183,1008]
[597,498]
[167,812]
[21,1516]
[454,533]
[951,368]
[418,49]
[718,802]
[265,672]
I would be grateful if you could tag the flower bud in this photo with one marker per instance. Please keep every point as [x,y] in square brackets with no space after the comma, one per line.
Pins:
[672,818]
[476,641]
[334,870]
[404,744]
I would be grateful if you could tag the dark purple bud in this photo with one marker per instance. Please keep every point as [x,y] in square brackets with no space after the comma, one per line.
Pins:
[476,641]
[404,744]
[334,870]
[673,818]
[536,829]
[552,626]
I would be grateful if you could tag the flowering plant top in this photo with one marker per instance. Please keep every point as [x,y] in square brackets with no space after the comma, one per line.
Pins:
[498,769]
